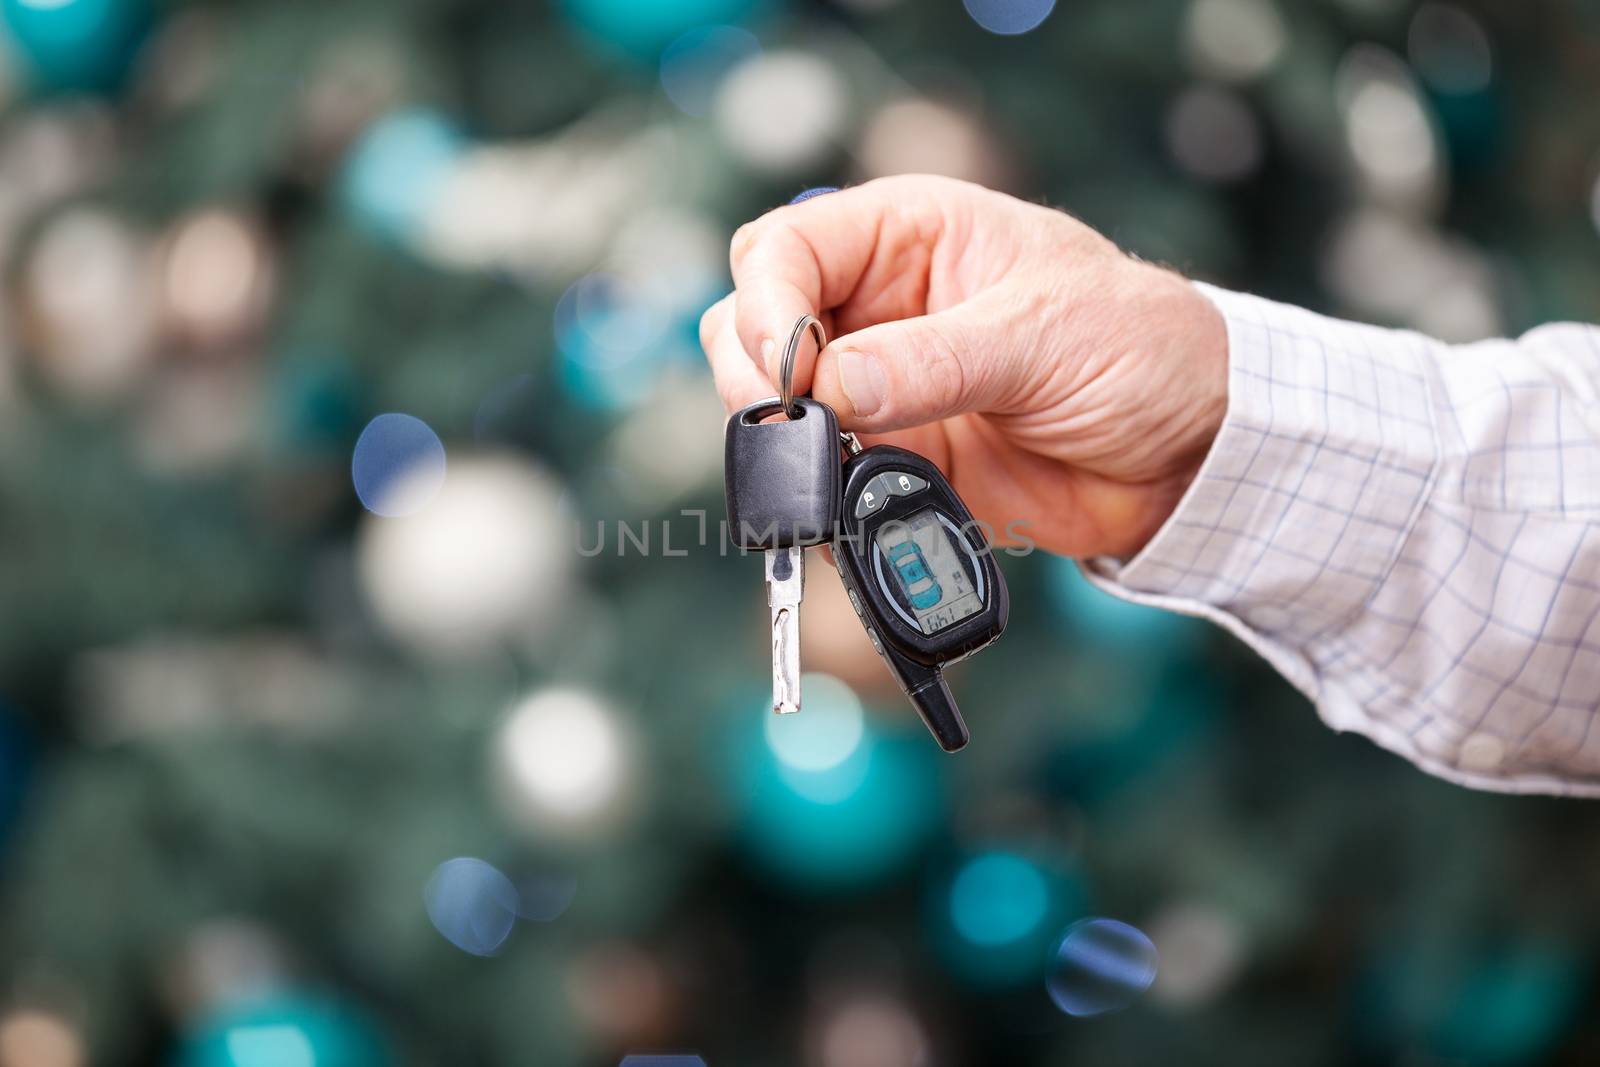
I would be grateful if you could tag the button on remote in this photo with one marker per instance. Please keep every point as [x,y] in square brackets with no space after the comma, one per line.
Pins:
[899,483]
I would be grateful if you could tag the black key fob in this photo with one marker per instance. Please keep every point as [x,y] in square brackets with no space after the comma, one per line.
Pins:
[782,478]
[921,575]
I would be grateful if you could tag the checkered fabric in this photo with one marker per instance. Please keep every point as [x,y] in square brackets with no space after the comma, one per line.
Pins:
[1409,532]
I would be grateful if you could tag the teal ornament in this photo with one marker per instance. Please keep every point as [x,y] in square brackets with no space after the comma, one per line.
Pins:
[293,1031]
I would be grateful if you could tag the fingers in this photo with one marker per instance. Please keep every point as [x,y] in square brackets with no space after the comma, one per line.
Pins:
[739,381]
[811,256]
[902,374]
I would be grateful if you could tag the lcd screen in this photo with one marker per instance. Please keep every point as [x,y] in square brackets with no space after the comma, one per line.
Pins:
[930,569]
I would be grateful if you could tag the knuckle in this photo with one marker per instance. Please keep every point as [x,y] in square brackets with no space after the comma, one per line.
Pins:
[710,322]
[746,237]
[942,366]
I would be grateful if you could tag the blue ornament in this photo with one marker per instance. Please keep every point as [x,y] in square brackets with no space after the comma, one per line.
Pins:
[76,44]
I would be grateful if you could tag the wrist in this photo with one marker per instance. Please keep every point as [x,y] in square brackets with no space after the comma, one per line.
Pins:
[1188,342]
[1198,348]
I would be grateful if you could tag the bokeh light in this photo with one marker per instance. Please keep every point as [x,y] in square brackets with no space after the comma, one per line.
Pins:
[313,408]
[1386,264]
[31,1037]
[1389,130]
[994,915]
[1500,1002]
[611,337]
[782,111]
[1450,49]
[823,754]
[693,66]
[398,465]
[672,447]
[624,337]
[622,993]
[1234,40]
[544,210]
[1101,966]
[398,168]
[487,560]
[1009,17]
[1103,619]
[1214,135]
[1202,952]
[998,898]
[872,1031]
[216,276]
[87,286]
[643,27]
[295,1031]
[676,260]
[197,420]
[472,905]
[843,825]
[563,761]
[829,732]
[914,135]
[224,961]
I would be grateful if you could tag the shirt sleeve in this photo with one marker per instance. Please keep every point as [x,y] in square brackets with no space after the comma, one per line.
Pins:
[1410,533]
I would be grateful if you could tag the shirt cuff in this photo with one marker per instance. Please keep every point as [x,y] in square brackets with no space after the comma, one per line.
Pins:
[1322,465]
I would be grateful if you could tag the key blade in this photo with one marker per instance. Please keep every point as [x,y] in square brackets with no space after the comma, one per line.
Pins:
[786,581]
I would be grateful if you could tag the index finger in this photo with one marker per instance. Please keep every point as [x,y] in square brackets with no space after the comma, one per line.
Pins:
[802,259]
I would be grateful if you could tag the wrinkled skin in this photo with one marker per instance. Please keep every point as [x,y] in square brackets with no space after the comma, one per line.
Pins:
[1059,383]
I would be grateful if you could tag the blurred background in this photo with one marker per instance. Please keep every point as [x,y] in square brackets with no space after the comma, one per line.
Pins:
[376,690]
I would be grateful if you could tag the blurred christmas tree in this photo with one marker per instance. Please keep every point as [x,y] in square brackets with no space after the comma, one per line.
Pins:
[348,364]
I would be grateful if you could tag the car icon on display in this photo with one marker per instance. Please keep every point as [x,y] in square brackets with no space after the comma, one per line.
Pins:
[915,579]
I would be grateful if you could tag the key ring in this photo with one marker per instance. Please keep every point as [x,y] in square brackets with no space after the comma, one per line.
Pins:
[786,368]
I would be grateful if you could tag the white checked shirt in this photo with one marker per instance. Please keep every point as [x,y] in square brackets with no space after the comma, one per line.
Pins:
[1409,532]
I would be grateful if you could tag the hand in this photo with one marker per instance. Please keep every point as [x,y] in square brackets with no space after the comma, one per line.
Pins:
[1055,380]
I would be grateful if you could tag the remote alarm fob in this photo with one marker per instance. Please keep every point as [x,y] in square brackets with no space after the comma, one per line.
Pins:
[920,574]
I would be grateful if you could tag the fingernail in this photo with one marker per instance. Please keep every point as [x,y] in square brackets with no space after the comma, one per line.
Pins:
[863,381]
[768,346]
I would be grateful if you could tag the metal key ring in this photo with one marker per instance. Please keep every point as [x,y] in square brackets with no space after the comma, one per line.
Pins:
[792,349]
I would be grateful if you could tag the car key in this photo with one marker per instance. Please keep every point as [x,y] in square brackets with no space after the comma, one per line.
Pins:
[782,481]
[920,575]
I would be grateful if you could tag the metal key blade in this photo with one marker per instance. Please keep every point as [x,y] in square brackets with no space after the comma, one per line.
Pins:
[786,584]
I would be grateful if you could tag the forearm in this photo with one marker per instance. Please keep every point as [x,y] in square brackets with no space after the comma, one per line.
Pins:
[1407,531]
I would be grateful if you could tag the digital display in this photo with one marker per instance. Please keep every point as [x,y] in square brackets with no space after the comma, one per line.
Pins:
[928,565]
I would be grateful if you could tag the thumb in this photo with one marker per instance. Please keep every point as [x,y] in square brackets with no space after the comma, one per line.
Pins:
[914,371]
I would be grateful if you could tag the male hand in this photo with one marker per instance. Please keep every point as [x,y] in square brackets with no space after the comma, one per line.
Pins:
[1056,381]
